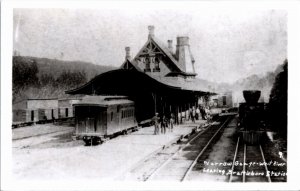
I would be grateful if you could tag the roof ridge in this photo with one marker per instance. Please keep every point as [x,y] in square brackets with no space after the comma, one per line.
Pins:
[166,51]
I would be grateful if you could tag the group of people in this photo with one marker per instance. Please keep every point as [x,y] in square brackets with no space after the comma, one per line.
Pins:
[194,114]
[162,123]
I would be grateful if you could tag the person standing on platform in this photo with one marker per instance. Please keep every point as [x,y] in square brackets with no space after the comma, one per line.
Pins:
[193,114]
[207,112]
[187,114]
[197,113]
[163,125]
[179,118]
[203,115]
[172,119]
[183,117]
[155,120]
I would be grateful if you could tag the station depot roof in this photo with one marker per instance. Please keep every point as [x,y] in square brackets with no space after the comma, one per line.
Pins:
[103,101]
[116,82]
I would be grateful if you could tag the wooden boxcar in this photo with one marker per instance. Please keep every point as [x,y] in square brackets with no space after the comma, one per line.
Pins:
[65,112]
[99,117]
[48,114]
[25,115]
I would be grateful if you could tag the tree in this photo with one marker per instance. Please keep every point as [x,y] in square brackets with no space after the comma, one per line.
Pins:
[278,102]
[47,79]
[24,74]
[71,79]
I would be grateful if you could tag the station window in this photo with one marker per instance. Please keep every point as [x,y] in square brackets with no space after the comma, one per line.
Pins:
[67,112]
[111,116]
[147,64]
[156,65]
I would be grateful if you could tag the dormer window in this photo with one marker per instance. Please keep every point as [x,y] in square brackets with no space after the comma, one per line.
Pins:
[156,65]
[147,65]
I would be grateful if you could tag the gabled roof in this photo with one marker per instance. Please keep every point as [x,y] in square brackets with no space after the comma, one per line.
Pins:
[130,66]
[190,85]
[130,79]
[175,68]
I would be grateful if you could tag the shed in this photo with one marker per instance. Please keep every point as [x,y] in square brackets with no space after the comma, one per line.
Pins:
[32,110]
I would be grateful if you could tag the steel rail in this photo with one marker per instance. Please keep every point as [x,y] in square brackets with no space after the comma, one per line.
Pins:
[202,151]
[244,164]
[234,158]
[178,151]
[266,168]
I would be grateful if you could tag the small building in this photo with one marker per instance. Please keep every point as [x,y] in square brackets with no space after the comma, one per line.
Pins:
[32,110]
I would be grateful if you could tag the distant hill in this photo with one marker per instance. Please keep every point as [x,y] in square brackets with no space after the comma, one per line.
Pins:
[49,78]
[253,82]
[55,67]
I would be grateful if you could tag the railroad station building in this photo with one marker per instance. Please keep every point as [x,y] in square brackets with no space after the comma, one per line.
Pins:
[158,79]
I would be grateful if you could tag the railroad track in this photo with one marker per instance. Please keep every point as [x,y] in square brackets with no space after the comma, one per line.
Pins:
[30,123]
[178,166]
[252,164]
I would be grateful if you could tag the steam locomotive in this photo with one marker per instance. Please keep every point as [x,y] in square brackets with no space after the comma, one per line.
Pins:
[252,118]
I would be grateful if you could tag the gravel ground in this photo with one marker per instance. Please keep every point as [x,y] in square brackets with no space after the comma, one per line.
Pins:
[223,151]
[53,155]
[36,130]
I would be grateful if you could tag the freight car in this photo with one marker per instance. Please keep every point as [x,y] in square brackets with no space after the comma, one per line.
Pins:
[100,117]
[251,117]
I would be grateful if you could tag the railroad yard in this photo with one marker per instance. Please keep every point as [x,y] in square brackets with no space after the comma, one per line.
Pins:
[149,96]
[198,151]
[55,155]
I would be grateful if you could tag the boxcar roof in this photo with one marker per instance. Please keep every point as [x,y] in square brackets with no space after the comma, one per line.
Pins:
[104,101]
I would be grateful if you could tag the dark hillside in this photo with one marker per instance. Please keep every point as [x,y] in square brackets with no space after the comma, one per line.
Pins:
[55,67]
[44,78]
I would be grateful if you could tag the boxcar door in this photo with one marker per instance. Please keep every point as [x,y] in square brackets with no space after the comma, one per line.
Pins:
[102,122]
[90,125]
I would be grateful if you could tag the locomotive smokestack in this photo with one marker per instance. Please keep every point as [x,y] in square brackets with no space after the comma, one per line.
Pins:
[251,96]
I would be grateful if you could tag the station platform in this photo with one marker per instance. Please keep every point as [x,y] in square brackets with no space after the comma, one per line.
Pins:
[107,161]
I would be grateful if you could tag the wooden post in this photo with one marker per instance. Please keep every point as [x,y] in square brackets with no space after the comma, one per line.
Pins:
[154,98]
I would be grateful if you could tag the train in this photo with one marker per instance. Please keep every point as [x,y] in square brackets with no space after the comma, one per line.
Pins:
[252,118]
[98,118]
[39,111]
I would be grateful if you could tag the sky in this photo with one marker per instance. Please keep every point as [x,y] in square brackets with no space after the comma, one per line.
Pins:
[227,45]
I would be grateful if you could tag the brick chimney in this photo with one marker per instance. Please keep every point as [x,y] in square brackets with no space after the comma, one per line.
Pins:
[127,50]
[184,55]
[170,46]
[151,31]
